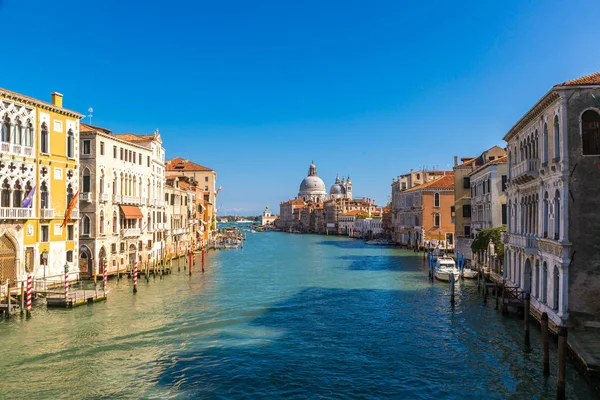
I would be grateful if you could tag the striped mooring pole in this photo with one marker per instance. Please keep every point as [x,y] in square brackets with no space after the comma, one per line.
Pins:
[135,274]
[66,282]
[104,275]
[29,289]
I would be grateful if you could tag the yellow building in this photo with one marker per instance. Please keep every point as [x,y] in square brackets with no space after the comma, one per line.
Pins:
[39,162]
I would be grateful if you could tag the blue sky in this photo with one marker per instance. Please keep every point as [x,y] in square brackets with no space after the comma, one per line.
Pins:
[258,89]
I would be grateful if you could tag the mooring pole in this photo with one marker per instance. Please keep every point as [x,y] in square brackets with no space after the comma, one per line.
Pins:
[452,287]
[545,344]
[562,362]
[526,316]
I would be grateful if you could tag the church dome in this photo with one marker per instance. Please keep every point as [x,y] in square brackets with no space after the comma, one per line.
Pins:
[337,188]
[312,187]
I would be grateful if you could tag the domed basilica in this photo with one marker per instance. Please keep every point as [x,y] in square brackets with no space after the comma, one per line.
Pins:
[313,189]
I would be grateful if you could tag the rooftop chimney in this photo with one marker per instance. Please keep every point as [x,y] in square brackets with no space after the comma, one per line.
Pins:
[57,99]
[455,160]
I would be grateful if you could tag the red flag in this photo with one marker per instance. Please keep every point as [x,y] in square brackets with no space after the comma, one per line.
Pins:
[72,205]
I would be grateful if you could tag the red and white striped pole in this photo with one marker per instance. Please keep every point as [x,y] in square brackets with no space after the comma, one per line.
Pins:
[29,288]
[135,274]
[105,275]
[66,282]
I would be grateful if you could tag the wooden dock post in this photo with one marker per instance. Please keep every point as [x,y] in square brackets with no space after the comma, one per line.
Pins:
[452,287]
[478,279]
[179,266]
[191,254]
[562,362]
[8,299]
[526,316]
[203,259]
[545,344]
[496,294]
[485,289]
[503,305]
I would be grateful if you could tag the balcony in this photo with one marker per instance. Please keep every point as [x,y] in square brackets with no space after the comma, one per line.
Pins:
[47,213]
[117,198]
[15,212]
[179,231]
[160,226]
[12,149]
[75,214]
[528,243]
[85,197]
[130,200]
[104,197]
[131,232]
[525,171]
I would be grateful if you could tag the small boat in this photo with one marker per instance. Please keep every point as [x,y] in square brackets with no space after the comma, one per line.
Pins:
[469,273]
[444,267]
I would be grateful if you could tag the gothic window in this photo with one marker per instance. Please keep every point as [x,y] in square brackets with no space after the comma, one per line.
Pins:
[590,132]
[436,199]
[70,144]
[17,194]
[556,297]
[44,145]
[101,182]
[29,134]
[86,180]
[436,219]
[544,283]
[85,225]
[44,201]
[536,290]
[114,222]
[6,137]
[545,139]
[557,215]
[546,212]
[556,139]
[5,194]
[69,194]
[101,222]
[18,132]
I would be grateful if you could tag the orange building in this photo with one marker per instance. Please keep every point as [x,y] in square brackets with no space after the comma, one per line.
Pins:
[425,214]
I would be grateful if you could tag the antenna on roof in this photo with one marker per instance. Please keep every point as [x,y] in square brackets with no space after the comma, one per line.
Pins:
[90,111]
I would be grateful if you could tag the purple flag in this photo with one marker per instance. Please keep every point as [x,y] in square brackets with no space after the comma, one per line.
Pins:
[29,199]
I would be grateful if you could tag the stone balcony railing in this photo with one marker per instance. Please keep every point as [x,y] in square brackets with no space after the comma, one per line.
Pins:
[130,200]
[116,198]
[87,196]
[47,213]
[12,149]
[160,226]
[15,212]
[131,232]
[527,243]
[179,231]
[525,171]
[104,197]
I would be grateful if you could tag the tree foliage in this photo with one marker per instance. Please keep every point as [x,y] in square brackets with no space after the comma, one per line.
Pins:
[480,243]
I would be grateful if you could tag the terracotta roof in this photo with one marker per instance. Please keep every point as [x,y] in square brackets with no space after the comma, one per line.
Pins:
[445,182]
[351,213]
[91,128]
[184,185]
[499,160]
[183,164]
[468,162]
[130,137]
[591,79]
[40,102]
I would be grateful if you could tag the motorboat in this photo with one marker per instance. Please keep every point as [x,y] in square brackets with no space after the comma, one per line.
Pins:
[469,273]
[444,267]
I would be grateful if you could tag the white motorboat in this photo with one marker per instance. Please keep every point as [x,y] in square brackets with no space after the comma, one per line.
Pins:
[444,267]
[469,273]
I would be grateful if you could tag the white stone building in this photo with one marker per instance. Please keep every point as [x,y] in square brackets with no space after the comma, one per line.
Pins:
[488,196]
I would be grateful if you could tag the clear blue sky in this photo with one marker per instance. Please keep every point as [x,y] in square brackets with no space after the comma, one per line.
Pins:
[258,89]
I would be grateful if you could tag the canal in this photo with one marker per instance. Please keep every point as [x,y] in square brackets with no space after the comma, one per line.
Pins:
[299,316]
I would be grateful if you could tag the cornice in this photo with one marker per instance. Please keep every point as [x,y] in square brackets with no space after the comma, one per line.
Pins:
[533,113]
[40,104]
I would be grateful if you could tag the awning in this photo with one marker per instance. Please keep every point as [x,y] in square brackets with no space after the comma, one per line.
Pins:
[132,212]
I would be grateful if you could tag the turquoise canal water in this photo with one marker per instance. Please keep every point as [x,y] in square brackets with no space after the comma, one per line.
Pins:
[297,316]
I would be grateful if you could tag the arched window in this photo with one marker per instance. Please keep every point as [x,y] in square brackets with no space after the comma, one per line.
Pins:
[85,225]
[536,149]
[544,283]
[556,138]
[6,136]
[17,194]
[44,203]
[69,194]
[86,181]
[18,134]
[545,139]
[590,133]
[44,145]
[536,290]
[101,182]
[115,183]
[70,256]
[416,220]
[556,297]
[101,222]
[436,199]
[546,214]
[5,194]
[70,144]
[114,222]
[557,215]
[436,219]
[28,139]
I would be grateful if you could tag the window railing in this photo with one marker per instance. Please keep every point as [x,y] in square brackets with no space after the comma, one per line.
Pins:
[16,149]
[15,213]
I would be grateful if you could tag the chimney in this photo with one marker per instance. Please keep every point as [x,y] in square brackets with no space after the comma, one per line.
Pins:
[455,160]
[57,99]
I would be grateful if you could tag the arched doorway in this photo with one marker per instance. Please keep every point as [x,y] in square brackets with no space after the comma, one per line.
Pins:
[527,276]
[101,257]
[8,260]
[85,261]
[132,255]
